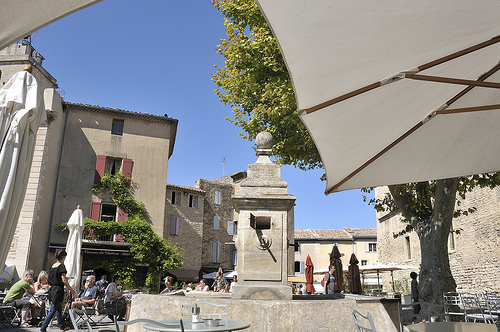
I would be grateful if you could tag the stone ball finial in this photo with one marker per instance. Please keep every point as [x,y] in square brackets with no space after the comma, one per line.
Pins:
[264,140]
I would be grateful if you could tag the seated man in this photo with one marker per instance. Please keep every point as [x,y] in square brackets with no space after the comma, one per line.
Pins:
[16,293]
[88,296]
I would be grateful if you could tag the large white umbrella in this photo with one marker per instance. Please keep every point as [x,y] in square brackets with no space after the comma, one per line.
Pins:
[73,248]
[394,91]
[19,18]
[381,267]
[21,112]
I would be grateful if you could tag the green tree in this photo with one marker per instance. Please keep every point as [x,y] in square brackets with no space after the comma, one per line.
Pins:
[254,81]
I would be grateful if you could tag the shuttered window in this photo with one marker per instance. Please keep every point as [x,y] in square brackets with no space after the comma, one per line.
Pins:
[117,127]
[215,252]
[217,197]
[100,166]
[216,222]
[174,226]
[230,228]
[176,198]
[193,201]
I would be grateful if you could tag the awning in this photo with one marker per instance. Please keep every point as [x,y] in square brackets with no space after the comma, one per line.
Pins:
[296,280]
[394,91]
[184,274]
[8,274]
[19,18]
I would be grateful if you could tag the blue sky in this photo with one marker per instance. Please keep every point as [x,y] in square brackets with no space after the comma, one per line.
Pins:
[157,57]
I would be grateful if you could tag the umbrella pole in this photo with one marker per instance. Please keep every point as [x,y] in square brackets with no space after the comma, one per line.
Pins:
[392,276]
[378,282]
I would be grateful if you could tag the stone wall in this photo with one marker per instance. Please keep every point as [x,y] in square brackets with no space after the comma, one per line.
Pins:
[474,259]
[225,211]
[190,234]
[275,316]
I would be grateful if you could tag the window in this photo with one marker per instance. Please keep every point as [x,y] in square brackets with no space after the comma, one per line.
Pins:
[215,252]
[216,222]
[113,165]
[234,258]
[296,247]
[108,213]
[231,227]
[452,241]
[364,262]
[297,266]
[117,128]
[176,198]
[174,226]
[217,197]
[193,201]
[407,247]
[370,247]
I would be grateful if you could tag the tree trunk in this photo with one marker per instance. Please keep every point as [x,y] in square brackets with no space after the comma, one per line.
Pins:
[433,232]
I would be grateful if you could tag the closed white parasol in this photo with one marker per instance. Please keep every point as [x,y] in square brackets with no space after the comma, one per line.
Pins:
[73,261]
[21,112]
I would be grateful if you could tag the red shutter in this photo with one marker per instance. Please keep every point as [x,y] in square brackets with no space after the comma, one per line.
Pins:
[122,217]
[127,169]
[95,211]
[100,166]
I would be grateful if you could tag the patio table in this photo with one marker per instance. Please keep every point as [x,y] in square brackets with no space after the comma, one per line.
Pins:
[450,327]
[174,326]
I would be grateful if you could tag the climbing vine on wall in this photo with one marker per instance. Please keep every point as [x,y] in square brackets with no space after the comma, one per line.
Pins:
[146,246]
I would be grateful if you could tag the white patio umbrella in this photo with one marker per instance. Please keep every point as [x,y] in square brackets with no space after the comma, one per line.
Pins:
[381,267]
[394,91]
[21,112]
[73,248]
[19,18]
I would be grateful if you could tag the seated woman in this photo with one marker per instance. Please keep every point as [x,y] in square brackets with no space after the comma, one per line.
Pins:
[114,302]
[203,287]
[41,285]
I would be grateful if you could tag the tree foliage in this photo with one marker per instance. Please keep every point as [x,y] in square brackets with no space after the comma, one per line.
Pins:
[255,82]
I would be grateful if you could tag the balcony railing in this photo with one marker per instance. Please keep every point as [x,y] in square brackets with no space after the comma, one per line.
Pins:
[88,234]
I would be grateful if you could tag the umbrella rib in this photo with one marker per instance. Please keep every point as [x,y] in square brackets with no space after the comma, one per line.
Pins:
[469,109]
[420,68]
[467,89]
[387,148]
[453,81]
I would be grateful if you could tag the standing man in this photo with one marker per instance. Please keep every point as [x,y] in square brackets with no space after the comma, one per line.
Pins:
[88,296]
[329,281]
[414,294]
[102,284]
[16,293]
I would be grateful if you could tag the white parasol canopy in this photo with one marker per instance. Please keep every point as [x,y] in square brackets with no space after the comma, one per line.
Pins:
[394,91]
[19,18]
[381,267]
[21,113]
[73,248]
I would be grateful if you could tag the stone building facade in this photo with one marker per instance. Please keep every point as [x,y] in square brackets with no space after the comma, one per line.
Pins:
[318,244]
[220,221]
[77,145]
[474,252]
[184,223]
